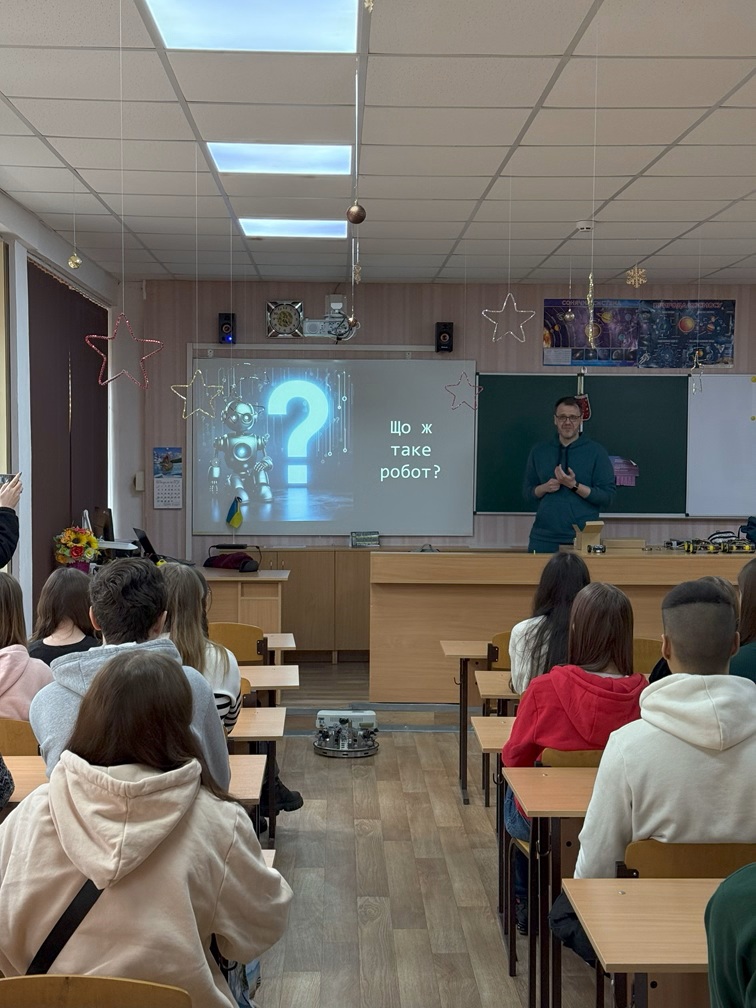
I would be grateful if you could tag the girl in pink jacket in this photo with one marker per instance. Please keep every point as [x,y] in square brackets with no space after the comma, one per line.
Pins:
[21,677]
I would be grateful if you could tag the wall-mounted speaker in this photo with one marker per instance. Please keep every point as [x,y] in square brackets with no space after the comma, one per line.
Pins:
[444,336]
[226,327]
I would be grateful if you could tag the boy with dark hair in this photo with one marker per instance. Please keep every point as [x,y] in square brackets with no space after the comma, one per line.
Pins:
[128,606]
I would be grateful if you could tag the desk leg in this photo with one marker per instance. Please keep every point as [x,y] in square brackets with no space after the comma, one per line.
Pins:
[544,854]
[500,834]
[463,730]
[533,911]
[599,985]
[556,888]
[271,782]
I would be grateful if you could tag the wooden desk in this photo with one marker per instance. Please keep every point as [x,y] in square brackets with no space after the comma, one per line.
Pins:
[246,777]
[547,796]
[417,599]
[270,679]
[278,643]
[246,598]
[645,926]
[257,726]
[494,685]
[464,651]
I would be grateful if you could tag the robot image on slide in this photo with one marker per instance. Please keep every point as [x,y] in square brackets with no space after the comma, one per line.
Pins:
[244,453]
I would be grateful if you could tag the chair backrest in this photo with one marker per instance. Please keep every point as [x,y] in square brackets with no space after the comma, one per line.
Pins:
[51,991]
[246,687]
[17,738]
[646,653]
[245,642]
[576,758]
[653,859]
[498,652]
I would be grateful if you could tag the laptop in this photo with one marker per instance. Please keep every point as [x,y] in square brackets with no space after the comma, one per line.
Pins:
[152,554]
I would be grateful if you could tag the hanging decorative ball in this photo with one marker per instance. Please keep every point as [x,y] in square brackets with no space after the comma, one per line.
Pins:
[636,276]
[356,213]
[74,260]
[352,322]
[569,315]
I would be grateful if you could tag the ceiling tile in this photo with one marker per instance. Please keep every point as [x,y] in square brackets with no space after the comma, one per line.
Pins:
[99,220]
[421,209]
[580,160]
[646,83]
[700,187]
[190,242]
[66,117]
[28,150]
[501,246]
[289,209]
[26,179]
[450,27]
[155,183]
[476,127]
[289,186]
[10,124]
[430,160]
[556,187]
[670,209]
[744,97]
[59,203]
[709,160]
[743,210]
[650,28]
[77,73]
[249,123]
[178,225]
[497,263]
[399,230]
[416,246]
[276,78]
[60,24]
[725,126]
[179,206]
[711,246]
[584,245]
[494,229]
[421,186]
[294,258]
[171,155]
[725,230]
[486,82]
[627,126]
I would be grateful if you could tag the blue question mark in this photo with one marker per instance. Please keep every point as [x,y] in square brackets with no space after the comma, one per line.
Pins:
[308,427]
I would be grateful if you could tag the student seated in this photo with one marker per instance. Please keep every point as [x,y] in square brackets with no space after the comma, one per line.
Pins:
[539,643]
[128,606]
[186,625]
[731,938]
[132,807]
[744,662]
[575,706]
[21,677]
[685,772]
[6,784]
[63,625]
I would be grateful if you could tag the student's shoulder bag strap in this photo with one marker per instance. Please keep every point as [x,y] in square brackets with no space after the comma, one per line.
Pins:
[69,920]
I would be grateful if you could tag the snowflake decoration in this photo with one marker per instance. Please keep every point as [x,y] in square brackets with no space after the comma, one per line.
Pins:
[636,276]
[464,393]
[101,380]
[509,315]
[696,373]
[211,393]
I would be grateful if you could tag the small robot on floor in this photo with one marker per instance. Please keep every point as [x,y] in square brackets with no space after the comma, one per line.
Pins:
[346,733]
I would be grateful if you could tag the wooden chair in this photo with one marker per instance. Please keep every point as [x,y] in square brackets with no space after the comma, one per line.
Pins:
[246,642]
[17,738]
[50,991]
[498,652]
[576,758]
[646,653]
[653,859]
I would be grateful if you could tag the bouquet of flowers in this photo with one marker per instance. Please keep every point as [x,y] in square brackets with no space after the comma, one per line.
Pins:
[75,546]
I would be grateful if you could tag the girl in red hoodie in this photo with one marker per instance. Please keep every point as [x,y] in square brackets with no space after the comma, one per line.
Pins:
[578,705]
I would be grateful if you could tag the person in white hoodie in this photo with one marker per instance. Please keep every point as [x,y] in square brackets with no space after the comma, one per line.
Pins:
[131,806]
[685,772]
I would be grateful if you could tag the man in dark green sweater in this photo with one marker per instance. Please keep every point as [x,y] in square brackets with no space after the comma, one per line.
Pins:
[731,937]
[569,479]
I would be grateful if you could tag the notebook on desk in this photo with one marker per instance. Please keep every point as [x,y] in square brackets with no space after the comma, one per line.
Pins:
[152,554]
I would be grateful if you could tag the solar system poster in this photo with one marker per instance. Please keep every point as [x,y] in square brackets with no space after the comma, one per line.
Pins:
[643,334]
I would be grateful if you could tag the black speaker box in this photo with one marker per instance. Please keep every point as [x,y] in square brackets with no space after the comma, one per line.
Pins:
[444,336]
[226,327]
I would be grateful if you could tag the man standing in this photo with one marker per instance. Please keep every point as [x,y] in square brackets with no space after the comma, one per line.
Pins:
[569,479]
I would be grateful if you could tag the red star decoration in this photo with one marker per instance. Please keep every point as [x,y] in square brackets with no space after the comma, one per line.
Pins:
[466,394]
[103,367]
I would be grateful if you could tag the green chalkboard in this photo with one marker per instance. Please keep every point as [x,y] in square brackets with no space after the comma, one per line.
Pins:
[638,418]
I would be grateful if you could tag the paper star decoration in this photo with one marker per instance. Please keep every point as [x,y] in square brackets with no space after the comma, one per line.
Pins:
[203,393]
[464,393]
[101,380]
[508,320]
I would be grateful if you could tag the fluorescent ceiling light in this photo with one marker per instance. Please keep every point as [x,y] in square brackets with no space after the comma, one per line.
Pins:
[255,227]
[258,25]
[282,159]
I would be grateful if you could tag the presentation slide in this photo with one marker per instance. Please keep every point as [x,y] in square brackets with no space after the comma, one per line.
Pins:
[327,448]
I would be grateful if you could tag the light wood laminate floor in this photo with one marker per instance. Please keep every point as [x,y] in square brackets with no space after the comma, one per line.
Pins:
[395,886]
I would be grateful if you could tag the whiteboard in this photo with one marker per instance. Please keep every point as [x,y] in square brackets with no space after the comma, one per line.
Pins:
[722,447]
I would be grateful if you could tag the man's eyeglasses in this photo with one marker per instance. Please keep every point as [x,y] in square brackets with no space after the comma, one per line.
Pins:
[564,418]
